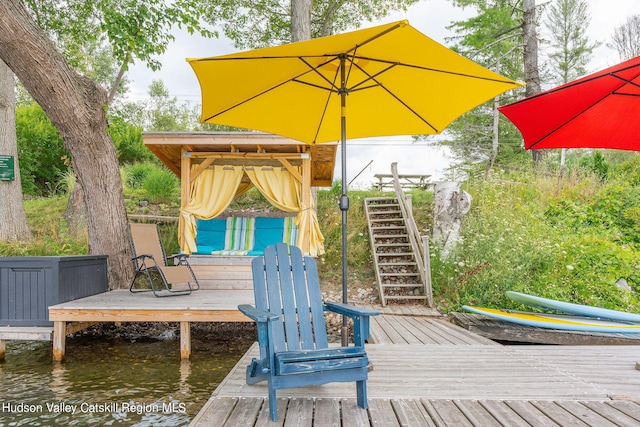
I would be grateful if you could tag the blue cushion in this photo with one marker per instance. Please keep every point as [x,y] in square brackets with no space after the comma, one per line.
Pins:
[210,234]
[268,231]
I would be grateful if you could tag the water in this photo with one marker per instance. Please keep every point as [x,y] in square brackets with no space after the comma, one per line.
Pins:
[111,381]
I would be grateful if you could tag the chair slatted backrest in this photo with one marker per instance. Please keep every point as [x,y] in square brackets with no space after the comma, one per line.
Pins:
[146,241]
[287,284]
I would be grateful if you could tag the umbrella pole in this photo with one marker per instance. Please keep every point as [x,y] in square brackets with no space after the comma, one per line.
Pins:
[344,199]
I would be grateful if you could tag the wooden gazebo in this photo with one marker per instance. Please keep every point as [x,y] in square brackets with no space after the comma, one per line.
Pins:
[181,151]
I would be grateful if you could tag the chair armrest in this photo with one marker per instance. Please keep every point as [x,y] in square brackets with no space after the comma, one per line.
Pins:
[349,310]
[360,318]
[142,257]
[180,257]
[256,314]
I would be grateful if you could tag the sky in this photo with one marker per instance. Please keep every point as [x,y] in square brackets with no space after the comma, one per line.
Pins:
[370,156]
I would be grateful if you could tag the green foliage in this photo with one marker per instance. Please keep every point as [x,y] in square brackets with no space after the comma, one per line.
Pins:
[568,22]
[360,262]
[49,231]
[596,163]
[128,141]
[134,175]
[41,153]
[253,24]
[493,38]
[161,185]
[557,239]
[141,30]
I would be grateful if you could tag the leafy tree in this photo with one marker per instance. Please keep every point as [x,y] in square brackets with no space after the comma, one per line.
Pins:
[76,104]
[14,226]
[43,158]
[626,38]
[493,38]
[165,113]
[567,22]
[252,24]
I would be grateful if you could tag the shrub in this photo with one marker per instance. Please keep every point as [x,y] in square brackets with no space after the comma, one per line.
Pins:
[161,185]
[134,175]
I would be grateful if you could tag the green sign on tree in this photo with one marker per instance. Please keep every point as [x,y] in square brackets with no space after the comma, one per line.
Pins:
[7,169]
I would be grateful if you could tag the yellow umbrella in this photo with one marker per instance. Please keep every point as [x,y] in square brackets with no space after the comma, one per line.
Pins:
[394,79]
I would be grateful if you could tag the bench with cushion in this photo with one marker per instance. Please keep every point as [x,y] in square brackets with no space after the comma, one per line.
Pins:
[243,235]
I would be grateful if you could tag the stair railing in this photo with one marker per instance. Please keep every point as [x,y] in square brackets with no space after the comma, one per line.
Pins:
[421,251]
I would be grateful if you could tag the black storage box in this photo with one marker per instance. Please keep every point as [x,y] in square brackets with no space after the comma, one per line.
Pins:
[29,285]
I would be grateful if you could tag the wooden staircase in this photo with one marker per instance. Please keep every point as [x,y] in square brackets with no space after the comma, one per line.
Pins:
[395,261]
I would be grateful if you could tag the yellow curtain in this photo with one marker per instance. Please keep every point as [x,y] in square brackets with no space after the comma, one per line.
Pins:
[211,192]
[283,191]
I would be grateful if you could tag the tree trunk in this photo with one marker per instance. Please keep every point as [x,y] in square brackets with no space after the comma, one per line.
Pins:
[13,225]
[531,74]
[76,212]
[300,20]
[76,106]
[449,206]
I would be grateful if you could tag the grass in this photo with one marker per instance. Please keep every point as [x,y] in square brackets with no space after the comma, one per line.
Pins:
[570,239]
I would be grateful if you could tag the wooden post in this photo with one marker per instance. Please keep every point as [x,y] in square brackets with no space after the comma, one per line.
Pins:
[3,349]
[185,192]
[185,340]
[306,199]
[59,336]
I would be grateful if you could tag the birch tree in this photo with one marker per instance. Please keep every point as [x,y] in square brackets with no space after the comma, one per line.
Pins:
[626,38]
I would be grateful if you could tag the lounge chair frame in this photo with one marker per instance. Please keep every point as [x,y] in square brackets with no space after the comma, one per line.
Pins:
[149,257]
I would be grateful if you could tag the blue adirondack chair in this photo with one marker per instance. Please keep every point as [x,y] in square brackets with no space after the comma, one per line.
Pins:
[294,350]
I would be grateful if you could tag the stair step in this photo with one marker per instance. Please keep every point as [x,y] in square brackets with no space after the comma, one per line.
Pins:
[386,220]
[402,285]
[392,245]
[389,228]
[398,254]
[376,235]
[383,205]
[396,264]
[415,297]
[399,274]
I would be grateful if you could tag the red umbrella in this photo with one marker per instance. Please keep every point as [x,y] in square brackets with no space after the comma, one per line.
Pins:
[601,110]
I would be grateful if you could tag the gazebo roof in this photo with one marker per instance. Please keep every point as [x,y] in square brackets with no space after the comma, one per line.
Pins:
[247,148]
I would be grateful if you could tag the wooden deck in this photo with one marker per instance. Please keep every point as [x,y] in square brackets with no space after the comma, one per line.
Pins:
[428,372]
[318,412]
[124,306]
[500,330]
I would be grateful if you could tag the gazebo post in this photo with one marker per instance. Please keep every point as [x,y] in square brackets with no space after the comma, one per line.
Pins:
[306,198]
[185,190]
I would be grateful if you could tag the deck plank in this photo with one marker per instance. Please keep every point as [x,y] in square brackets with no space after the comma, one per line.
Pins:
[504,414]
[327,412]
[299,413]
[449,413]
[222,408]
[476,413]
[531,414]
[585,414]
[353,415]
[245,412]
[410,413]
[558,414]
[381,413]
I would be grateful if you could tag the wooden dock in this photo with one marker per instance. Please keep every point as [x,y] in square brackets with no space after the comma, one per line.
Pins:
[431,373]
[124,306]
[500,330]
